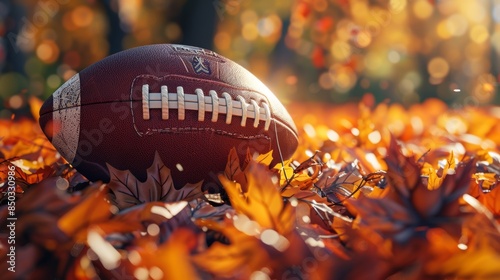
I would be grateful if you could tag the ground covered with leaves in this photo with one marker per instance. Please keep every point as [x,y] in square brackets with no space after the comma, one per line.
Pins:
[373,192]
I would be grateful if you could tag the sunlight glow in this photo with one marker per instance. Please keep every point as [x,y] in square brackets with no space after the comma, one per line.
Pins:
[108,255]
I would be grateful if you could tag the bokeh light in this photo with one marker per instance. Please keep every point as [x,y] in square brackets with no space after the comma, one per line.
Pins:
[316,50]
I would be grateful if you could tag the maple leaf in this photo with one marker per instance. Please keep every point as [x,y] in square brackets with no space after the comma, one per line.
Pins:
[261,202]
[127,191]
[403,173]
[244,255]
[410,207]
[233,169]
[259,212]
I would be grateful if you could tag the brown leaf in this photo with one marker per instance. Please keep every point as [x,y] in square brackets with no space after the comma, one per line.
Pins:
[403,173]
[233,169]
[127,191]
[388,218]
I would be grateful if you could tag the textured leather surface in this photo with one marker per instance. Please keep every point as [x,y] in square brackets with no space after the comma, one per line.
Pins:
[112,129]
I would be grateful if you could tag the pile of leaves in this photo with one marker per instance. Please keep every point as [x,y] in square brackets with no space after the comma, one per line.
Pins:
[373,192]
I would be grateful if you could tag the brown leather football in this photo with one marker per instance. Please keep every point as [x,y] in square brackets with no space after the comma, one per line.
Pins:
[189,104]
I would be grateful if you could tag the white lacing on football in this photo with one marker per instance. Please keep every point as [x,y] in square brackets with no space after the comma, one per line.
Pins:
[201,103]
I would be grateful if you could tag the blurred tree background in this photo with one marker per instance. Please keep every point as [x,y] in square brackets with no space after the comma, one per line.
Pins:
[305,50]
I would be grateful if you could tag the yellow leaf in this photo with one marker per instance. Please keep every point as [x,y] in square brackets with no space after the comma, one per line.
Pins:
[35,105]
[265,159]
[485,180]
[233,168]
[262,201]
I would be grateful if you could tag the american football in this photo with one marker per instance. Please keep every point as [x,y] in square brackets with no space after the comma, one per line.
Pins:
[188,104]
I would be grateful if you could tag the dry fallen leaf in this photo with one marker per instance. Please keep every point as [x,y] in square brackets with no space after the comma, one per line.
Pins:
[262,202]
[128,191]
[409,206]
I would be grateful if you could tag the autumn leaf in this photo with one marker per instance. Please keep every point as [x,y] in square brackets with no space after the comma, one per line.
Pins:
[233,168]
[409,207]
[170,260]
[94,209]
[158,219]
[485,181]
[252,248]
[260,211]
[265,159]
[127,191]
[345,183]
[489,161]
[491,201]
[403,173]
[242,257]
[150,247]
[261,202]
[445,258]
[300,177]
[349,204]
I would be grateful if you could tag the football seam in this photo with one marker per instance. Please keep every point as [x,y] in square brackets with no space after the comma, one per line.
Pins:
[181,130]
[202,103]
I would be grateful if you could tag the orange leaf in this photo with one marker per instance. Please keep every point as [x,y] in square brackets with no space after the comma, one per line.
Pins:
[170,260]
[492,201]
[265,159]
[261,202]
[243,256]
[92,210]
